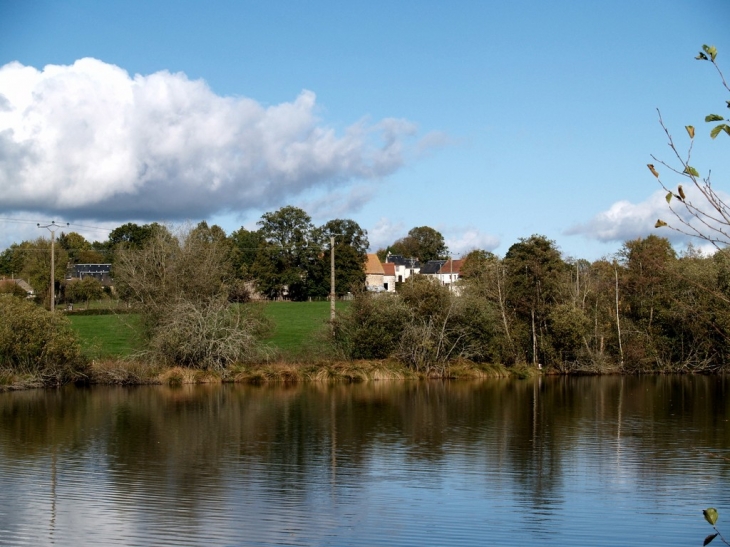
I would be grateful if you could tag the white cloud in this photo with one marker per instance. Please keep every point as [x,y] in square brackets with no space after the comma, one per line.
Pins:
[88,141]
[625,221]
[461,241]
[385,233]
[339,204]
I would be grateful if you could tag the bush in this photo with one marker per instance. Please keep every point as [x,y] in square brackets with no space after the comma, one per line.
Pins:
[182,286]
[372,326]
[36,341]
[208,336]
[10,287]
[425,327]
[82,290]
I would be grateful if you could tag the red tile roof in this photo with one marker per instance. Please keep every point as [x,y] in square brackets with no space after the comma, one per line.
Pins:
[373,265]
[452,266]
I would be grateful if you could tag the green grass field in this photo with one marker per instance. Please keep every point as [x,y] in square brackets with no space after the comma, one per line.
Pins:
[107,335]
[297,324]
[296,327]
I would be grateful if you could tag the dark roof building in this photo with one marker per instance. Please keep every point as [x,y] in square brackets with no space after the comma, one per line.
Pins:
[102,272]
[432,267]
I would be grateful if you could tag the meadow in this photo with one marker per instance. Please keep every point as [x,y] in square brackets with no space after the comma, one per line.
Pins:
[107,336]
[299,331]
[297,326]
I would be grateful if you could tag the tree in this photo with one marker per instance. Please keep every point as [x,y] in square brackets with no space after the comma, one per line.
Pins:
[12,288]
[11,261]
[131,235]
[246,245]
[180,283]
[282,263]
[31,261]
[647,264]
[35,340]
[79,250]
[484,277]
[534,270]
[707,219]
[83,290]
[422,242]
[351,244]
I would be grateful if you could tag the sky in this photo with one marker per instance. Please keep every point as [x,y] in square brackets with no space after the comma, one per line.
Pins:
[488,121]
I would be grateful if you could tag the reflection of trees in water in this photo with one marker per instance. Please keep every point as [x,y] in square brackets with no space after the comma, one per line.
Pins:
[187,442]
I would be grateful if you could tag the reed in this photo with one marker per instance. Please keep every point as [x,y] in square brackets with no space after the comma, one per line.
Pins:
[129,371]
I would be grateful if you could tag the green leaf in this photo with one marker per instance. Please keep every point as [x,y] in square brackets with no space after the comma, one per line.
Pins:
[690,131]
[716,130]
[689,170]
[710,515]
[714,118]
[660,224]
[711,51]
[709,539]
[669,197]
[701,57]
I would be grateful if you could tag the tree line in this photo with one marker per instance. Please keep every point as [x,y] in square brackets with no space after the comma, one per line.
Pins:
[645,309]
[287,256]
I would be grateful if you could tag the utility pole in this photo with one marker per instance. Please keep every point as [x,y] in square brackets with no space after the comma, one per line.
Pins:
[332,282]
[52,227]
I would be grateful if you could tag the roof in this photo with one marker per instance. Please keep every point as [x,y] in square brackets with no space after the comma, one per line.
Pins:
[402,261]
[388,268]
[432,267]
[20,283]
[452,266]
[373,265]
[93,268]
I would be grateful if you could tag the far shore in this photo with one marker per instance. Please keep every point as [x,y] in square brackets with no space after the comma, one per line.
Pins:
[126,372]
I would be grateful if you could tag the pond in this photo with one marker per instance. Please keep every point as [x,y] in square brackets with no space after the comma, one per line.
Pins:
[549,461]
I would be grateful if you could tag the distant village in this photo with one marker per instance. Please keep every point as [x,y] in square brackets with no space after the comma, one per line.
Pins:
[383,276]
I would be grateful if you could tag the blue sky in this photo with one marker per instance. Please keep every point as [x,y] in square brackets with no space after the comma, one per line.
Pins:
[486,120]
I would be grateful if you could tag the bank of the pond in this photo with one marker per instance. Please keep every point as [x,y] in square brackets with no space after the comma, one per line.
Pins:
[132,372]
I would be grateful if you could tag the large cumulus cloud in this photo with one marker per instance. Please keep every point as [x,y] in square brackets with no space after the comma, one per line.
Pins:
[91,141]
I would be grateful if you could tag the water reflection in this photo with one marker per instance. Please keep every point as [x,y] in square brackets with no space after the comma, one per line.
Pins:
[386,463]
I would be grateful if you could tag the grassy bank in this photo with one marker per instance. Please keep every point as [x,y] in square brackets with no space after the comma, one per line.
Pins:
[109,342]
[297,327]
[126,372]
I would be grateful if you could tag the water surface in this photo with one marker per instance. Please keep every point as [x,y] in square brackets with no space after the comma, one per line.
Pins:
[551,461]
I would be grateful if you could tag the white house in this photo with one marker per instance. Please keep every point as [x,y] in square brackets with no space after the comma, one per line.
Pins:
[449,272]
[404,267]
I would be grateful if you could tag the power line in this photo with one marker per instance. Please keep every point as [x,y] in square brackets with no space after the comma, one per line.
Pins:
[37,221]
[21,220]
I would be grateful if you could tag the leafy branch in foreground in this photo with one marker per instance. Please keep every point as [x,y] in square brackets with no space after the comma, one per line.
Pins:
[708,220]
[711,516]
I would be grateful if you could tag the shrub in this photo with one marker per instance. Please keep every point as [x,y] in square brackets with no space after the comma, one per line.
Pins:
[212,336]
[182,286]
[10,287]
[34,340]
[424,326]
[82,290]
[372,326]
